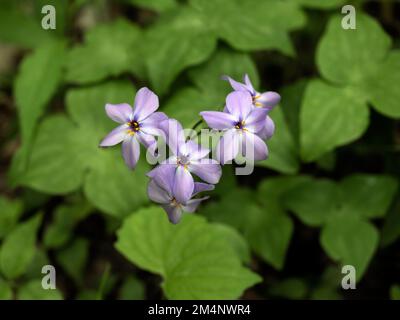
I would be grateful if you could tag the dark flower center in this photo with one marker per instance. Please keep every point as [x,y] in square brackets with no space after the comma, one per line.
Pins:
[239,125]
[183,160]
[134,126]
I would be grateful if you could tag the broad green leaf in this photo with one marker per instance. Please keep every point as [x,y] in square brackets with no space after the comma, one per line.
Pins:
[350,241]
[33,290]
[21,29]
[179,39]
[282,147]
[66,155]
[193,259]
[383,86]
[10,211]
[370,195]
[330,117]
[109,50]
[64,220]
[252,24]
[132,289]
[37,81]
[318,4]
[346,56]
[391,226]
[19,248]
[314,202]
[73,259]
[35,267]
[395,292]
[291,288]
[5,290]
[156,5]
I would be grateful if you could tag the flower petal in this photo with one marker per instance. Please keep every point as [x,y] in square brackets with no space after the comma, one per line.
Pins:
[239,104]
[146,102]
[235,84]
[174,134]
[268,100]
[183,185]
[255,121]
[228,146]
[192,205]
[268,129]
[131,151]
[253,147]
[174,213]
[208,170]
[121,113]
[201,187]
[248,84]
[219,120]
[157,194]
[115,136]
[154,120]
[196,151]
[164,176]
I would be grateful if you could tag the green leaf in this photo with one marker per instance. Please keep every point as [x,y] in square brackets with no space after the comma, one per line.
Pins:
[156,5]
[383,86]
[109,50]
[395,292]
[5,290]
[318,4]
[179,39]
[350,241]
[33,290]
[370,195]
[252,25]
[132,289]
[66,155]
[346,56]
[73,259]
[19,248]
[10,211]
[193,259]
[291,288]
[330,117]
[64,220]
[314,202]
[391,226]
[283,154]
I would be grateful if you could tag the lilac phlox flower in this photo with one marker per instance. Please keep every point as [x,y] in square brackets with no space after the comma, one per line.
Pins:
[242,123]
[139,125]
[187,157]
[161,190]
[267,100]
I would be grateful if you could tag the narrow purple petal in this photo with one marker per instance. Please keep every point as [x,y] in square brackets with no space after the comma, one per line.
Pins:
[146,102]
[208,170]
[268,129]
[174,213]
[196,151]
[157,194]
[116,136]
[131,151]
[239,104]
[174,134]
[154,120]
[248,84]
[164,176]
[183,185]
[255,121]
[219,120]
[192,205]
[121,113]
[267,100]
[235,84]
[228,146]
[253,147]
[201,187]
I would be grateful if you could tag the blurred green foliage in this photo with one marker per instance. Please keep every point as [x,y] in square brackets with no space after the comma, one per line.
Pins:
[68,203]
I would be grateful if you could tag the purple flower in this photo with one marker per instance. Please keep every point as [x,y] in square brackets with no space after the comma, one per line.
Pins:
[267,100]
[161,190]
[188,157]
[242,123]
[139,125]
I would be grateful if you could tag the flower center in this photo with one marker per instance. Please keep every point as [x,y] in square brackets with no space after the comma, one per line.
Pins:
[255,102]
[239,125]
[175,203]
[133,126]
[183,161]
